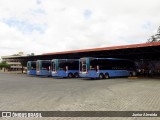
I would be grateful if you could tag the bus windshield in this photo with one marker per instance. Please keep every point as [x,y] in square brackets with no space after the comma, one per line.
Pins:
[62,64]
[46,65]
[33,65]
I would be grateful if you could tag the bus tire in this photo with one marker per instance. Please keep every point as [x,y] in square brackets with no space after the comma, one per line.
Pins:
[70,75]
[101,76]
[76,75]
[106,76]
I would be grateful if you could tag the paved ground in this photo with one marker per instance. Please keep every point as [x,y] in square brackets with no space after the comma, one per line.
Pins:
[19,92]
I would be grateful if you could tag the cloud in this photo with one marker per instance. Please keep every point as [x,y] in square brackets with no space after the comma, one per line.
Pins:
[25,26]
[39,1]
[37,11]
[87,13]
[36,26]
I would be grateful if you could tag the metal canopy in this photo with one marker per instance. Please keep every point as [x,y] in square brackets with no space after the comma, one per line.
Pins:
[135,52]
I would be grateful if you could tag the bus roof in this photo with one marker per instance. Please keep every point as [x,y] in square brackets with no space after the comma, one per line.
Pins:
[43,60]
[64,59]
[104,58]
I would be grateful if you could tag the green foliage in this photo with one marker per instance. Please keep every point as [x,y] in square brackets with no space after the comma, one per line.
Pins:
[4,65]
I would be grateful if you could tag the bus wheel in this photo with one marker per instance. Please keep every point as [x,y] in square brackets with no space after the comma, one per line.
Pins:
[76,75]
[106,76]
[101,76]
[70,75]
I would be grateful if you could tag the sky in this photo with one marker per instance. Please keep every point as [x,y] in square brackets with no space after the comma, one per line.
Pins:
[44,26]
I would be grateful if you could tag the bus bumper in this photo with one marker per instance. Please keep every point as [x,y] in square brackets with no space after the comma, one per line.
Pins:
[43,73]
[31,72]
[59,74]
[84,75]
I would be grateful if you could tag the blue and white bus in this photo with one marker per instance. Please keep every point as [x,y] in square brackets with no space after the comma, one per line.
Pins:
[106,67]
[43,67]
[65,68]
[31,67]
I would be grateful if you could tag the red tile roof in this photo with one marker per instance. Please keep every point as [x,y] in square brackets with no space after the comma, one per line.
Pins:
[107,48]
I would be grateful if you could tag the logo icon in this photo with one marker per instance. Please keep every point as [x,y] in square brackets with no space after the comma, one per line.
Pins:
[6,114]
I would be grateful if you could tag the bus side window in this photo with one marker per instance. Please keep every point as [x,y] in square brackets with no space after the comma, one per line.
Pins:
[47,68]
[91,67]
[43,68]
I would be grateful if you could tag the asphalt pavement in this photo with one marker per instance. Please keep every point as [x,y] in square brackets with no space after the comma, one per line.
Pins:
[20,92]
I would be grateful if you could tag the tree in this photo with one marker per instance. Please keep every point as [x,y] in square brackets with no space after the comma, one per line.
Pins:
[152,39]
[23,63]
[155,37]
[4,65]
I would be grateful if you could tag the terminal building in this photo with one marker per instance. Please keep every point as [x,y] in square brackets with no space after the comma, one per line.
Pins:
[14,63]
[145,55]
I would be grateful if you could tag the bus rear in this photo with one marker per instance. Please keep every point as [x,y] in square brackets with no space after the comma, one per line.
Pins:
[43,67]
[65,68]
[86,69]
[31,67]
[89,67]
